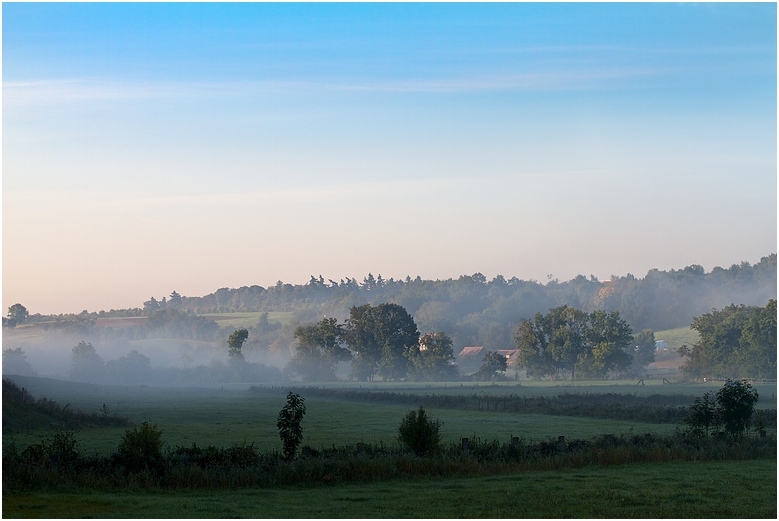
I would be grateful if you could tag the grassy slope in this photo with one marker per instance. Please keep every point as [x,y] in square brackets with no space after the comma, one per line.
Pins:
[678,337]
[250,319]
[726,489]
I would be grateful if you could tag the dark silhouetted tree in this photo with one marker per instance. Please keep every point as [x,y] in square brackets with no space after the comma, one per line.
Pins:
[736,401]
[17,314]
[289,424]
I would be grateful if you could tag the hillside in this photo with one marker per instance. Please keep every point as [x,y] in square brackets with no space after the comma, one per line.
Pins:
[24,412]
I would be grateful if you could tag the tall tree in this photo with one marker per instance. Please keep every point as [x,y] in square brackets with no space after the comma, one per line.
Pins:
[569,339]
[17,314]
[320,348]
[380,336]
[85,364]
[175,300]
[643,350]
[433,358]
[736,341]
[151,306]
[235,343]
[608,339]
[532,339]
[757,356]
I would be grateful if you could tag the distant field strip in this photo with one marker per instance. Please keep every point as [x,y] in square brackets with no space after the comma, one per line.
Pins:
[656,408]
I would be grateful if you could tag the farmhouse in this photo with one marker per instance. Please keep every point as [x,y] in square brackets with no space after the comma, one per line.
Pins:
[477,352]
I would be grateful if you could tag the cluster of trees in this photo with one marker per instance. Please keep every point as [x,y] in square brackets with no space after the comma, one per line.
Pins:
[380,340]
[568,339]
[731,408]
[736,341]
[471,309]
[472,306]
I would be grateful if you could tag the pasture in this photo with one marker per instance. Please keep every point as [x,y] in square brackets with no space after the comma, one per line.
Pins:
[231,414]
[719,489]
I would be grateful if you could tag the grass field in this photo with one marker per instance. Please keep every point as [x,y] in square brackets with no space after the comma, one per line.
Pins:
[678,337]
[232,414]
[228,415]
[722,489]
[250,319]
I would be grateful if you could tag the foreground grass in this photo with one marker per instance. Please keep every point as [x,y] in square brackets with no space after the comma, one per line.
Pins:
[721,489]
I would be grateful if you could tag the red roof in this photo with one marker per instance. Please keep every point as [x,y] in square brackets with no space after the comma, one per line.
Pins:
[470,351]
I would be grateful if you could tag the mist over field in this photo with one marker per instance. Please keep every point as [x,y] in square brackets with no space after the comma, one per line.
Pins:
[183,340]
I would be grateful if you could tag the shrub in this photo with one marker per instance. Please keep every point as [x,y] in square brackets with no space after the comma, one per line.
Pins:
[419,433]
[141,448]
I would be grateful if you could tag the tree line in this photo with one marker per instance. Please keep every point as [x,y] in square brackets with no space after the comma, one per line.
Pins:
[471,309]
[735,341]
[659,300]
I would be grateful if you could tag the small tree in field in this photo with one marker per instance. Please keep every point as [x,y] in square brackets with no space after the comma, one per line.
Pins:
[703,415]
[736,402]
[419,433]
[290,417]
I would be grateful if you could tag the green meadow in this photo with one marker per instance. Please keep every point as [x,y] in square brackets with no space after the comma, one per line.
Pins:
[721,489]
[232,414]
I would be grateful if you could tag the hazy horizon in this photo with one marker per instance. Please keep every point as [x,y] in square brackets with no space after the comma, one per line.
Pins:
[157,147]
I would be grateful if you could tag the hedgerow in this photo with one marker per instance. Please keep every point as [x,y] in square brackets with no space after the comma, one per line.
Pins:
[58,462]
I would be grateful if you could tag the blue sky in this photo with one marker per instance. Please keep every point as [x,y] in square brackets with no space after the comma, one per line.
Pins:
[157,147]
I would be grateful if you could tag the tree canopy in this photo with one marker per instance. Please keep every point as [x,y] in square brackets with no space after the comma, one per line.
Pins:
[736,341]
[320,348]
[568,339]
[381,336]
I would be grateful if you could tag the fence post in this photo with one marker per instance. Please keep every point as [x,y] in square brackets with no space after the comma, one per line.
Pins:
[464,443]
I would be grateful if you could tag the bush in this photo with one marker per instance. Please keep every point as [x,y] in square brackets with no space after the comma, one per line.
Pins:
[419,433]
[141,448]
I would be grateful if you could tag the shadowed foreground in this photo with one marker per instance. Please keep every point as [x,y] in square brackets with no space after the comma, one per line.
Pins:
[721,489]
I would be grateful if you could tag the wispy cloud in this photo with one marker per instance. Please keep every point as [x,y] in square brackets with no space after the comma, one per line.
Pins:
[123,201]
[70,91]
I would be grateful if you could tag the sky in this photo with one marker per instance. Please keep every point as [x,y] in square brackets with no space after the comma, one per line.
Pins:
[156,147]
